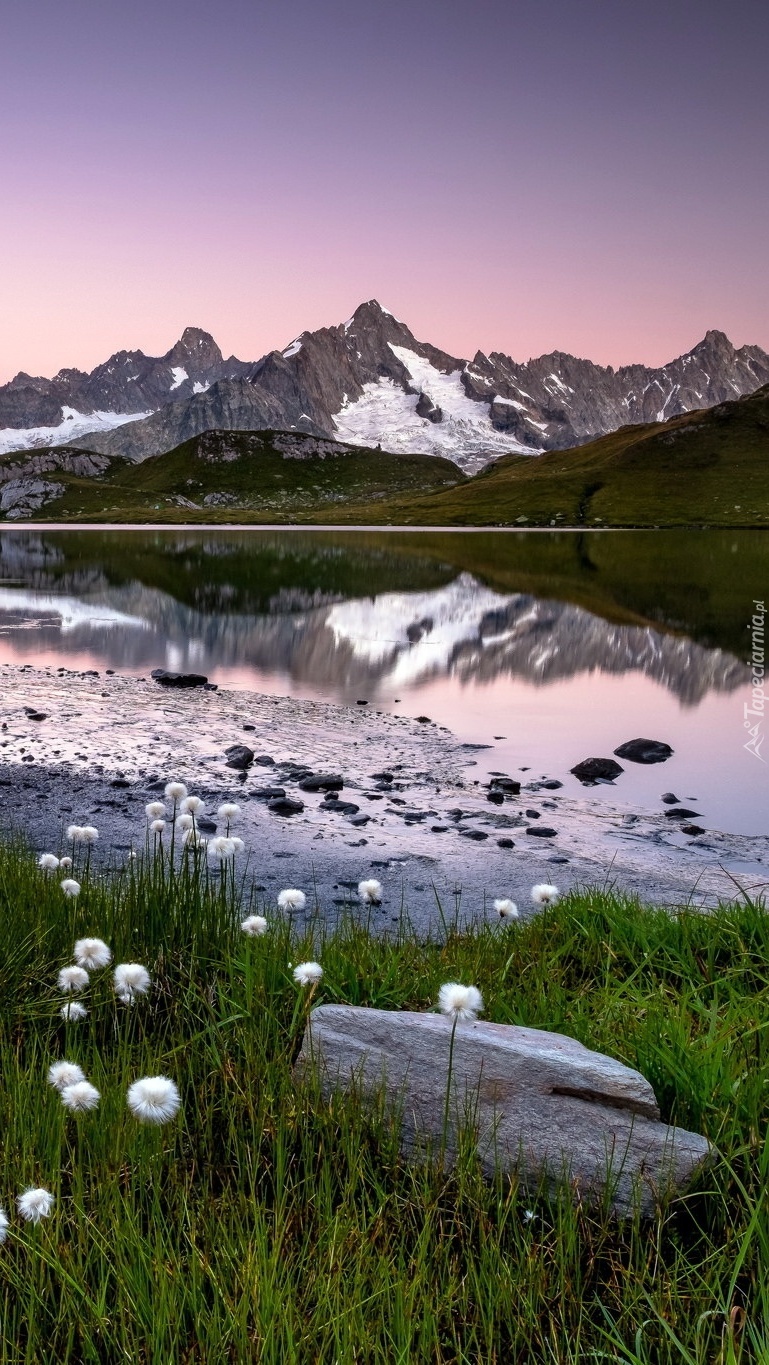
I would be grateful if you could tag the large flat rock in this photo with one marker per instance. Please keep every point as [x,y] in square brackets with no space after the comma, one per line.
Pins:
[539,1103]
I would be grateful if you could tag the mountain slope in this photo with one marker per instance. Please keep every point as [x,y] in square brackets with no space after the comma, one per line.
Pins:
[368,382]
[705,468]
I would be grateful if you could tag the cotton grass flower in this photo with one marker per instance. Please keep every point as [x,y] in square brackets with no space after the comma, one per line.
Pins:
[62,1074]
[544,894]
[291,899]
[237,844]
[459,1002]
[221,847]
[153,1099]
[254,926]
[73,1012]
[75,834]
[308,973]
[65,864]
[229,810]
[48,861]
[176,791]
[89,834]
[80,1097]
[506,909]
[157,826]
[185,821]
[155,810]
[70,887]
[35,1204]
[4,1225]
[370,891]
[92,953]
[130,979]
[73,979]
[192,805]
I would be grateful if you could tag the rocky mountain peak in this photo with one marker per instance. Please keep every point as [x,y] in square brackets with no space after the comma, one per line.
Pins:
[195,350]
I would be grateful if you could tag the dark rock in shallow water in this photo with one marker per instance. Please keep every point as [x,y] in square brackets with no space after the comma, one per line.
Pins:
[669,799]
[496,797]
[268,793]
[644,751]
[692,829]
[505,843]
[505,784]
[595,769]
[477,834]
[680,813]
[551,784]
[264,760]
[382,777]
[239,756]
[166,679]
[285,805]
[322,782]
[206,826]
[542,831]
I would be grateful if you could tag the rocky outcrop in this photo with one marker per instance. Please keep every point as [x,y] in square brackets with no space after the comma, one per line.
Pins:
[538,1104]
[19,498]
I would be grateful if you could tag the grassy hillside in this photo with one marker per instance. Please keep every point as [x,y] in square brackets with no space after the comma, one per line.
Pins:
[247,476]
[708,468]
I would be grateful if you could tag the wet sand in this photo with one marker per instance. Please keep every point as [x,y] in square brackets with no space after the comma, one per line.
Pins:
[109,744]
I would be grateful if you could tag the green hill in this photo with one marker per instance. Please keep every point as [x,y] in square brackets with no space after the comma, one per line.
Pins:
[706,468]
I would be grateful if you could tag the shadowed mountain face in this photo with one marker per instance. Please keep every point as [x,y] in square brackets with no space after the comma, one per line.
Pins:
[334,641]
[367,381]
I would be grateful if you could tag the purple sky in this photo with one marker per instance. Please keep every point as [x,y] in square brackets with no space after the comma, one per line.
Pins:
[587,175]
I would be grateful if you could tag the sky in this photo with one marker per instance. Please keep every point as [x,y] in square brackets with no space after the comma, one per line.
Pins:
[518,175]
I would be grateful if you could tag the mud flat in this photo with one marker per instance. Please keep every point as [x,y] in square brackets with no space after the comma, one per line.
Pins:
[106,745]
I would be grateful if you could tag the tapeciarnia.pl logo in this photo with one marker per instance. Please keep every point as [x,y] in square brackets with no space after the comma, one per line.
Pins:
[753,711]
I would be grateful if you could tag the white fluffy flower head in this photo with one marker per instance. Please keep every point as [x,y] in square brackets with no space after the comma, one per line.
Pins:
[48,861]
[185,821]
[73,1012]
[80,1097]
[153,1099]
[254,926]
[506,909]
[92,953]
[75,834]
[62,1074]
[89,834]
[65,863]
[157,826]
[459,1002]
[544,894]
[155,810]
[4,1225]
[131,979]
[221,847]
[308,973]
[70,887]
[73,979]
[370,891]
[237,844]
[229,810]
[191,805]
[176,791]
[35,1204]
[291,899]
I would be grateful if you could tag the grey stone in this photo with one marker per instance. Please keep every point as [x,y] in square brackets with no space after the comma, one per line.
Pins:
[538,1103]
[322,782]
[239,756]
[285,805]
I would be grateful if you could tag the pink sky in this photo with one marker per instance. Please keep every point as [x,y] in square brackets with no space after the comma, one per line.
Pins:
[514,176]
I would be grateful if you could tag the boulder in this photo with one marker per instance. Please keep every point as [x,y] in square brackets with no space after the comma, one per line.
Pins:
[644,751]
[322,782]
[538,1104]
[596,770]
[285,805]
[166,679]
[542,831]
[239,756]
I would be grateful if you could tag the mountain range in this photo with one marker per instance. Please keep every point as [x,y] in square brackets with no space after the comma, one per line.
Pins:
[366,382]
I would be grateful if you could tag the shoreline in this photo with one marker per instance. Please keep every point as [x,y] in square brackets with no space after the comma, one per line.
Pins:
[109,743]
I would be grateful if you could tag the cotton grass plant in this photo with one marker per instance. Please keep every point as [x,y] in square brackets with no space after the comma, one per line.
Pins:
[264,1222]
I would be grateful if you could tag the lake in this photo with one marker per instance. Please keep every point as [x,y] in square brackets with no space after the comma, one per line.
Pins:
[547,647]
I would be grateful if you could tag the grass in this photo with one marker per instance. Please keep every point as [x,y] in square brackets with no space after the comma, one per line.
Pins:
[264,1224]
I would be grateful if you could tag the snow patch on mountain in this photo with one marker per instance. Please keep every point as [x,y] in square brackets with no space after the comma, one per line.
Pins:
[385,415]
[179,374]
[73,425]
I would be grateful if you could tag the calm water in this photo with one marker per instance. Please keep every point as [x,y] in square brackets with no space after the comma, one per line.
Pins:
[549,648]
